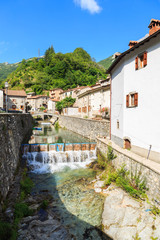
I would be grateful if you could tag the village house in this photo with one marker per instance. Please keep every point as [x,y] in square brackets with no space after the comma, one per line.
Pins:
[135,101]
[55,93]
[37,102]
[73,93]
[16,100]
[52,105]
[95,101]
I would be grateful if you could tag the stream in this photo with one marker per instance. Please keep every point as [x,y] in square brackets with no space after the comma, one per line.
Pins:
[65,176]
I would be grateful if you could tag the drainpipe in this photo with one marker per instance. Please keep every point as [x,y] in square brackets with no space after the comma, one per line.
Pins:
[110,103]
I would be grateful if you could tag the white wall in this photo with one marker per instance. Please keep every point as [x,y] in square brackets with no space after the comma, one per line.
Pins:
[141,124]
[117,103]
[1,99]
[51,106]
[99,100]
[70,111]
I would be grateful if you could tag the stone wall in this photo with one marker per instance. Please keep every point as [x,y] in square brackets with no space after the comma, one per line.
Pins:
[15,129]
[86,127]
[134,163]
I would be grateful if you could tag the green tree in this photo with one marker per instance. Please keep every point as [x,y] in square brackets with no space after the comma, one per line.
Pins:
[48,55]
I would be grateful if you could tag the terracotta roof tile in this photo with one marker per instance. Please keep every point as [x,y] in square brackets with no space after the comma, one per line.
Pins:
[18,93]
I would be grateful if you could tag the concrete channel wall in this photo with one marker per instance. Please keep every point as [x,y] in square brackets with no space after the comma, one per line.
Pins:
[135,164]
[15,129]
[86,127]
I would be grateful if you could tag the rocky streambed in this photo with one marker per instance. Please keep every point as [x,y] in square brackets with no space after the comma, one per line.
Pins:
[78,207]
[73,211]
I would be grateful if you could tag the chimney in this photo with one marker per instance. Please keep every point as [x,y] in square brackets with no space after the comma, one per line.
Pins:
[154,26]
[132,43]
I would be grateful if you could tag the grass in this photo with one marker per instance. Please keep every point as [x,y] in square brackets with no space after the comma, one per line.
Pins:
[121,178]
[44,204]
[5,231]
[134,185]
[155,210]
[57,126]
[9,231]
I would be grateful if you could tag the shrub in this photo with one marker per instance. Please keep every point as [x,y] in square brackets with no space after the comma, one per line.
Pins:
[110,154]
[26,185]
[5,231]
[102,161]
[44,204]
[120,177]
[22,210]
[155,210]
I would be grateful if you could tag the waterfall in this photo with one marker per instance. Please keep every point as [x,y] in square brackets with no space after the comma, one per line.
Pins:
[53,161]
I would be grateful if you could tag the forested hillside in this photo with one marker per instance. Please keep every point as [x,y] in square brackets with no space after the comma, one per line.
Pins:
[5,70]
[106,62]
[56,70]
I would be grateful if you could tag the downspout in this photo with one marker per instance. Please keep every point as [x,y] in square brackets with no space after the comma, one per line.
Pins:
[110,104]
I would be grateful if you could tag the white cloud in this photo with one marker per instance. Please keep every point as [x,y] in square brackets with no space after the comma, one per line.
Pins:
[90,5]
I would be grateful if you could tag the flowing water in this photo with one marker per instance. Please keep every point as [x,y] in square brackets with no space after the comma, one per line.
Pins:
[65,176]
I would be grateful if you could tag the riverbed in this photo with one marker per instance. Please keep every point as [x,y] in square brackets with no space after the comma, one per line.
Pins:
[75,203]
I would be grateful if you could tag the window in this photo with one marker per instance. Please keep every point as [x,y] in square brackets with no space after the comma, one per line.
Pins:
[132,100]
[117,124]
[141,61]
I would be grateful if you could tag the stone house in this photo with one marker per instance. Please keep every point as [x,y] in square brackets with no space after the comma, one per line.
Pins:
[38,101]
[92,102]
[55,93]
[72,92]
[135,101]
[16,100]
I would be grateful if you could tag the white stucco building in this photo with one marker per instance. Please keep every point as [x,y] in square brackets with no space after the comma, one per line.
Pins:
[70,111]
[92,102]
[135,97]
[1,99]
[52,105]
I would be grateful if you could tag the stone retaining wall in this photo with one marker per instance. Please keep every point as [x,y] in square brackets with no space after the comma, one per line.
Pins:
[134,163]
[86,127]
[15,129]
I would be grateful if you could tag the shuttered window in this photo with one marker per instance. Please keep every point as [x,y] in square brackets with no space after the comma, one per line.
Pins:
[132,100]
[145,59]
[136,99]
[136,63]
[127,100]
[141,61]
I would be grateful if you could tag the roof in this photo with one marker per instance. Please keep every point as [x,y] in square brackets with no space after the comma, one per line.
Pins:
[117,60]
[54,100]
[56,89]
[94,90]
[37,96]
[73,89]
[17,93]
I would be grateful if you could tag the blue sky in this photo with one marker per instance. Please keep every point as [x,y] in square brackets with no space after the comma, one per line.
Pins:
[101,27]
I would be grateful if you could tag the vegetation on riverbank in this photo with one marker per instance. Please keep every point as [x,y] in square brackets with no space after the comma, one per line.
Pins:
[135,185]
[66,102]
[8,231]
